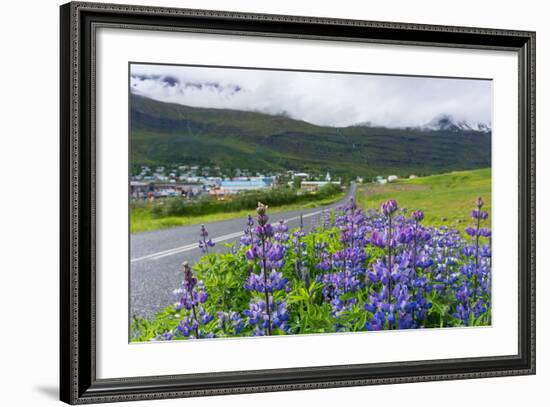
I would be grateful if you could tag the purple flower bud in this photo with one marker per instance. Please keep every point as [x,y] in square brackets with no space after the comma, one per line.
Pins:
[262,217]
[205,243]
[418,215]
[250,221]
[479,202]
[189,279]
[389,207]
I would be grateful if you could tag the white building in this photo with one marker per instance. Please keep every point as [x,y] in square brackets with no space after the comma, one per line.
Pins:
[248,184]
[316,185]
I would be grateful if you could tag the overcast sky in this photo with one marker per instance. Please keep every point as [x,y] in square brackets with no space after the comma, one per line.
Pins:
[320,98]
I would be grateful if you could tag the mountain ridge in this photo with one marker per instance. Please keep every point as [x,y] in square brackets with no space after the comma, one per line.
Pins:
[448,122]
[168,133]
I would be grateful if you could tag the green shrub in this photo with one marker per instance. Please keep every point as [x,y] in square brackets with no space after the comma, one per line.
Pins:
[243,201]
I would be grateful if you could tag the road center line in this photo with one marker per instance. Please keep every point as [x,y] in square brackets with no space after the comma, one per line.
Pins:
[192,246]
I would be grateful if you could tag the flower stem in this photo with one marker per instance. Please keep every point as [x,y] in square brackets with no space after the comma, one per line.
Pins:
[476,260]
[267,307]
[414,244]
[389,266]
[196,320]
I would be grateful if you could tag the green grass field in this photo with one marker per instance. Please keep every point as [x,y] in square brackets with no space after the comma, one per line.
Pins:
[142,220]
[446,199]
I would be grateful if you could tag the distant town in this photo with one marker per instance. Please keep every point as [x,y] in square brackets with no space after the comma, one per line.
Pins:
[193,181]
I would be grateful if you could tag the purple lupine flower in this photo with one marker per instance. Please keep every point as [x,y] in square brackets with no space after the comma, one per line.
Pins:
[479,202]
[166,336]
[262,217]
[478,215]
[265,318]
[417,264]
[471,231]
[257,282]
[230,322]
[252,253]
[281,232]
[418,216]
[377,239]
[405,235]
[485,232]
[389,207]
[248,235]
[269,255]
[191,297]
[205,242]
[189,326]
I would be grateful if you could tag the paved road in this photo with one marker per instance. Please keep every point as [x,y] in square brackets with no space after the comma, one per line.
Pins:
[156,256]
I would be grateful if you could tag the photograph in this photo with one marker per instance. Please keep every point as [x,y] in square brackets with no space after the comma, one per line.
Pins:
[282,202]
[267,202]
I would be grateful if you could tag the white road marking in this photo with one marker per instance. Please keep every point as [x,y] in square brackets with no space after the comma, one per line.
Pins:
[193,246]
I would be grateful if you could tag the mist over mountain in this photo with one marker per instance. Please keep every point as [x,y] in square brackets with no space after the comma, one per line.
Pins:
[446,122]
[168,133]
[321,98]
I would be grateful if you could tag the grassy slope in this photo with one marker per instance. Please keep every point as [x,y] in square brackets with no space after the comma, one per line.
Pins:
[141,219]
[164,133]
[449,196]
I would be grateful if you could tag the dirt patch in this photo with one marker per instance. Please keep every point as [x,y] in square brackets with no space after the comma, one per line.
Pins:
[375,189]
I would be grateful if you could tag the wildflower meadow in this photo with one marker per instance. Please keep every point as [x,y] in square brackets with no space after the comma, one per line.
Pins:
[356,270]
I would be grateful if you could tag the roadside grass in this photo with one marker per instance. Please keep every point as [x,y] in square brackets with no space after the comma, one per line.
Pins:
[446,199]
[142,220]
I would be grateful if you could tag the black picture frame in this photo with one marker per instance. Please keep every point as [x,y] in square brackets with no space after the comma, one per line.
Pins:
[78,382]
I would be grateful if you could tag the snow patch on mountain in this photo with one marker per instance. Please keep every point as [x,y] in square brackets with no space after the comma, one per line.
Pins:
[449,123]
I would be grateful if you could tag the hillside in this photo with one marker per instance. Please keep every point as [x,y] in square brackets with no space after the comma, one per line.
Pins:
[165,133]
[447,199]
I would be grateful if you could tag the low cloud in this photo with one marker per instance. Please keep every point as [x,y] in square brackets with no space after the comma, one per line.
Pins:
[321,98]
